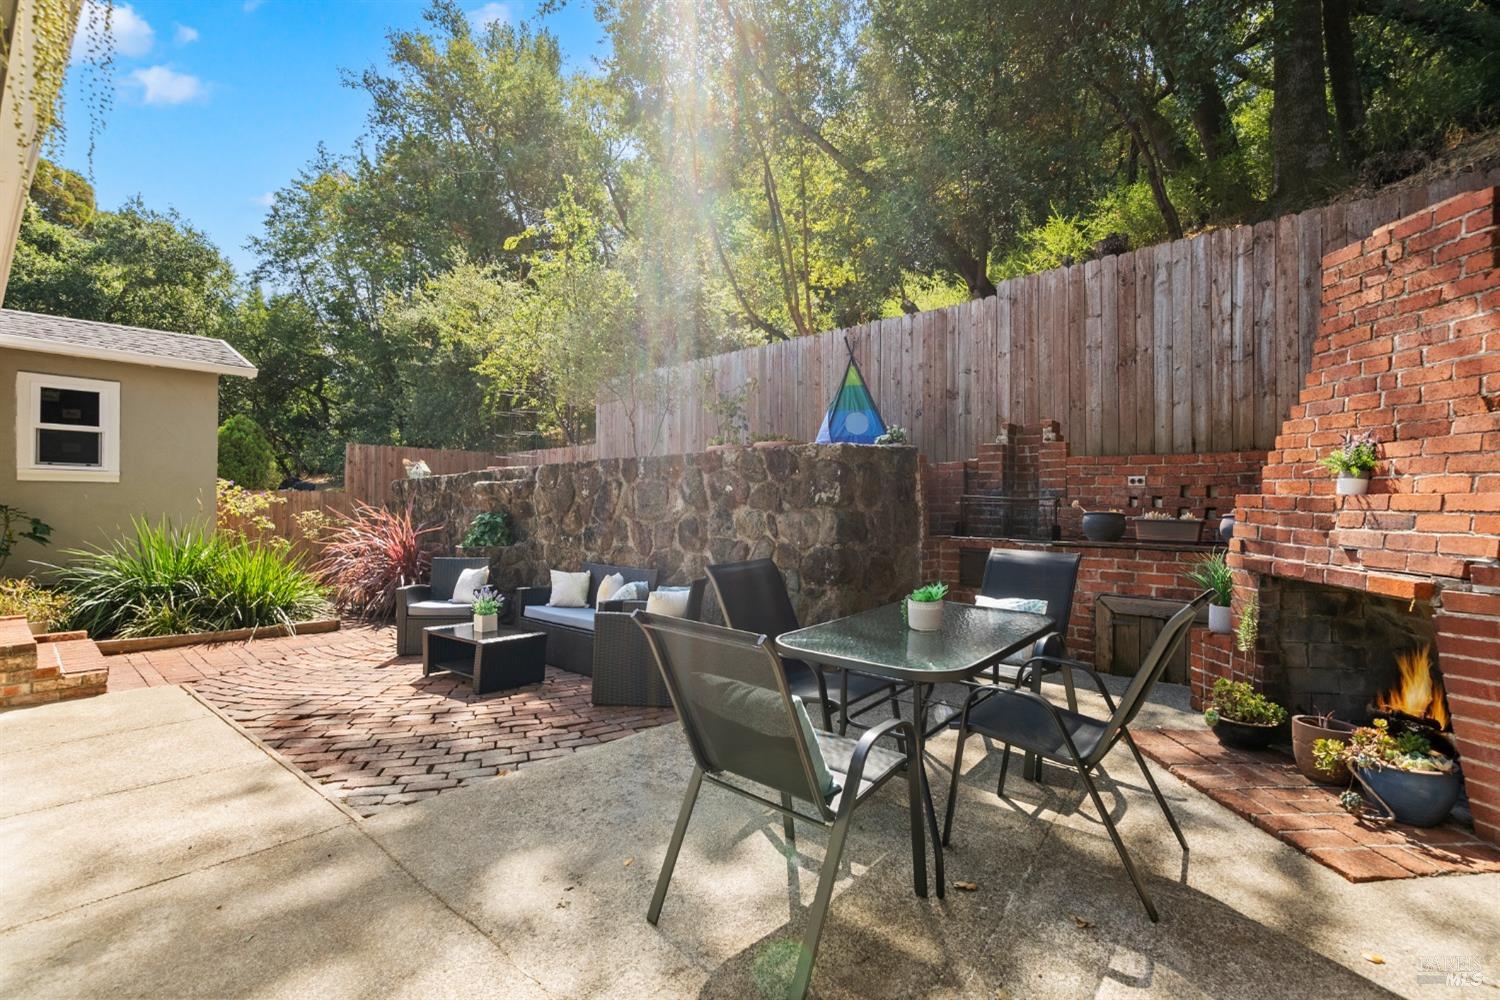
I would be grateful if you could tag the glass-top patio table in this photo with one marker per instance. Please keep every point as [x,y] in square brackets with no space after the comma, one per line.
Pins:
[879,642]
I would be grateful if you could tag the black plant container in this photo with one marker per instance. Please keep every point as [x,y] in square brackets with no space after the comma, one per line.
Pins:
[1244,735]
[1102,526]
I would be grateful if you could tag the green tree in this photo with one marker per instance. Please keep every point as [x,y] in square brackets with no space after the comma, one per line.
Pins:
[245,455]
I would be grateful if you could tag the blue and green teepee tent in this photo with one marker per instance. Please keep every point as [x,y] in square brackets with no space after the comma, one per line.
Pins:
[852,417]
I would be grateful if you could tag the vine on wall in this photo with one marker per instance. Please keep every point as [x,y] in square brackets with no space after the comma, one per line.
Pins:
[52,24]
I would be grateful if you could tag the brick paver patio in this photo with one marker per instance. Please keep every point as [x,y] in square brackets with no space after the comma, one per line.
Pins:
[1266,788]
[353,716]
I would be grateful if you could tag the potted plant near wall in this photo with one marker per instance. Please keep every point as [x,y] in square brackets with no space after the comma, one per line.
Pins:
[924,607]
[1352,463]
[1159,526]
[1212,574]
[1101,525]
[486,609]
[1307,732]
[894,435]
[489,530]
[1409,780]
[1241,717]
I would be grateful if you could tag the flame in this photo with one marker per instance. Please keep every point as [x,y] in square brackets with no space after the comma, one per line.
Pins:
[1419,693]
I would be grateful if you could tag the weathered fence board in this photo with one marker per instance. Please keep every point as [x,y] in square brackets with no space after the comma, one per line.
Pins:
[1195,345]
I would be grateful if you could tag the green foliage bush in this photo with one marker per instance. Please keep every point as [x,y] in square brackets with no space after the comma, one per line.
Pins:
[164,581]
[39,605]
[490,529]
[1239,702]
[245,454]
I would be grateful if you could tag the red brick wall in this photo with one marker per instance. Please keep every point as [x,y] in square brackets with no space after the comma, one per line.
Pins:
[1469,650]
[1211,657]
[1204,485]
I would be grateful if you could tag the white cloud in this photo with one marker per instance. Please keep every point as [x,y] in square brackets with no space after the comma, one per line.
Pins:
[161,85]
[131,35]
[490,13]
[185,35]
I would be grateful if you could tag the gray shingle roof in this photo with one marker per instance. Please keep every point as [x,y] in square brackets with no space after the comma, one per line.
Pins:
[135,345]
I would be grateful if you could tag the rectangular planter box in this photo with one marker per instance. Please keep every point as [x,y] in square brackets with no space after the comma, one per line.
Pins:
[111,647]
[1175,532]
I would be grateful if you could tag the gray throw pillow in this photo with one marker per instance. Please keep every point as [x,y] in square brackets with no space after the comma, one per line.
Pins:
[636,590]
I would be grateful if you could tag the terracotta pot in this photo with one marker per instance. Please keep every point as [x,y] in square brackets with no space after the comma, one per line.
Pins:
[1306,729]
[1244,735]
[1103,526]
[924,616]
[1352,486]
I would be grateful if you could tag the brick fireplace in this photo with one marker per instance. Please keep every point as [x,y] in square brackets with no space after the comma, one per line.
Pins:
[1408,350]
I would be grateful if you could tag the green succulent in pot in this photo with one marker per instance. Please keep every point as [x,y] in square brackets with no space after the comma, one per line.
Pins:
[1242,717]
[924,607]
[1410,780]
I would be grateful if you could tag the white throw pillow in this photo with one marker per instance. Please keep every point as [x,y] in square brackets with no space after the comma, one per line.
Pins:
[469,581]
[1031,605]
[668,601]
[569,590]
[608,587]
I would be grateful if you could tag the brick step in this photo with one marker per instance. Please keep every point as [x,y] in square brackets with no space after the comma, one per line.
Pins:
[38,669]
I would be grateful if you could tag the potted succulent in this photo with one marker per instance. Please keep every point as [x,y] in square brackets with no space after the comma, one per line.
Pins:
[924,607]
[486,609]
[894,434]
[1307,731]
[1242,717]
[1352,463]
[1101,525]
[1410,781]
[1159,526]
[1212,574]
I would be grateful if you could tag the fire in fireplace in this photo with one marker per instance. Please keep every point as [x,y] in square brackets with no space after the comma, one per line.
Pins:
[1418,692]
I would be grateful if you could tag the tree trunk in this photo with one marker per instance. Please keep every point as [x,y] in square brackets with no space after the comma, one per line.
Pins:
[1301,153]
[1210,115]
[1343,79]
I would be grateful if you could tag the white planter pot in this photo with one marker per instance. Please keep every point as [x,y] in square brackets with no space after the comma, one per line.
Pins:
[924,616]
[486,623]
[1218,620]
[1353,486]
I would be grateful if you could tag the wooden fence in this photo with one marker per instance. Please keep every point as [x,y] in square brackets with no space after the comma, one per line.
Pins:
[1192,346]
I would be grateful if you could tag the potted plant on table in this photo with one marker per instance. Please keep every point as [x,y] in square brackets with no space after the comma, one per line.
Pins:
[1212,574]
[486,609]
[1101,525]
[924,607]
[1241,717]
[1352,463]
[1409,780]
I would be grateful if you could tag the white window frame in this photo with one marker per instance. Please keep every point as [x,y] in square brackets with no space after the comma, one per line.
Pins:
[29,386]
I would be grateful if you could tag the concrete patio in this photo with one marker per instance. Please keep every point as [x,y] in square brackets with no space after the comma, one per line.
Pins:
[155,850]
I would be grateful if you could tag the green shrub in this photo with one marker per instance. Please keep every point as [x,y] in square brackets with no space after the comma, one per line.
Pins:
[40,605]
[163,581]
[1239,702]
[245,454]
[490,529]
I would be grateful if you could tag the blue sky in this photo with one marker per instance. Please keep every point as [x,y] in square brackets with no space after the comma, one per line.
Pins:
[220,102]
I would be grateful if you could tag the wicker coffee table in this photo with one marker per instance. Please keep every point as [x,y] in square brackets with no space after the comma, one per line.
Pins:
[493,661]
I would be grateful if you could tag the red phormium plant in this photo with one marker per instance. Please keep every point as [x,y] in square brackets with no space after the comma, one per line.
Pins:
[369,554]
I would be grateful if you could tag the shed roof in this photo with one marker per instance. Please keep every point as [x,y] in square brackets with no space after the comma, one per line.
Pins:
[82,338]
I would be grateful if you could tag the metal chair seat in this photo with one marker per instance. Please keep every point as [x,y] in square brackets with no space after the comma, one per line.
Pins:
[1021,719]
[838,753]
[804,683]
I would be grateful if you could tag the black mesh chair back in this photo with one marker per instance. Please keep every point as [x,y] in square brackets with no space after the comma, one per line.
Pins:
[753,597]
[731,696]
[445,573]
[1048,576]
[1172,635]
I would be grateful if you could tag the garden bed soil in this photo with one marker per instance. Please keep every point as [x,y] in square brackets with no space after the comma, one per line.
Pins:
[111,647]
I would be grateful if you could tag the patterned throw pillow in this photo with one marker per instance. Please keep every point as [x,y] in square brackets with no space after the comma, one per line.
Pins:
[635,590]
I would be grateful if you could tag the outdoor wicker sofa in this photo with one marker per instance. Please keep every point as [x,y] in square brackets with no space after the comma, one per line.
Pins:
[424,605]
[570,631]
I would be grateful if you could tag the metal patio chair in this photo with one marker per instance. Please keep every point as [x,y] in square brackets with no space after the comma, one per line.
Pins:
[743,722]
[1046,576]
[1024,719]
[753,598]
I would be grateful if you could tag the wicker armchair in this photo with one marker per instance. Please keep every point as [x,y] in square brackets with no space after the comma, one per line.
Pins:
[424,605]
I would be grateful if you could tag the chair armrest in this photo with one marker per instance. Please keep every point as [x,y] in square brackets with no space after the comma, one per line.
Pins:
[625,607]
[1051,664]
[890,727]
[414,592]
[528,596]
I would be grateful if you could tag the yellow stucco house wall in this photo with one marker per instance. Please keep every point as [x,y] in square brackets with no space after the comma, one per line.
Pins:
[100,424]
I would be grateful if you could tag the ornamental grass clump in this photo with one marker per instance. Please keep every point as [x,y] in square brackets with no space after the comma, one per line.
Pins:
[1212,573]
[167,581]
[369,555]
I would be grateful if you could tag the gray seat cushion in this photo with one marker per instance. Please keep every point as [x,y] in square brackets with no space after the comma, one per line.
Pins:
[580,618]
[438,609]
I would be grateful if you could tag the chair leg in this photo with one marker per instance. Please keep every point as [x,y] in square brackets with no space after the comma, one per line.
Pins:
[1114,835]
[670,862]
[1004,766]
[788,825]
[918,830]
[1161,800]
[843,702]
[819,911]
[958,763]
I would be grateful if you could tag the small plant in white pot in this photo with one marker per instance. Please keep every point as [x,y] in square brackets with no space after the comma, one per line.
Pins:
[1212,574]
[486,609]
[1352,463]
[924,607]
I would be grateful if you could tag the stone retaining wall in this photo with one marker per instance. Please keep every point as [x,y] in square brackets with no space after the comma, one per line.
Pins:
[842,521]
